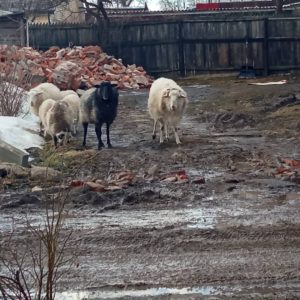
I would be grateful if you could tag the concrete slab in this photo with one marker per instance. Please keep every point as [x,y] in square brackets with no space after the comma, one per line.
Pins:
[9,153]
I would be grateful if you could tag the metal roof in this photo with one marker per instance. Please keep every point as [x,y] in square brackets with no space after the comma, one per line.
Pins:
[4,13]
[28,6]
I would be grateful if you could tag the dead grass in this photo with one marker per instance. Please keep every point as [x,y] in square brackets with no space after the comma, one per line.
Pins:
[287,112]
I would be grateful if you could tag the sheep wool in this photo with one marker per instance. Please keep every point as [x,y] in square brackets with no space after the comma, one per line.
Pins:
[57,123]
[98,106]
[43,109]
[166,105]
[45,91]
[40,93]
[72,101]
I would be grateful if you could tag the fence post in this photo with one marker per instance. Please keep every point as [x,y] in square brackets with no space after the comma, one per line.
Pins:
[266,47]
[181,50]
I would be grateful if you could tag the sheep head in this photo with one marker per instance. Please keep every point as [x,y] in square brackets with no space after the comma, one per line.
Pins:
[61,130]
[174,99]
[103,90]
[36,99]
[59,138]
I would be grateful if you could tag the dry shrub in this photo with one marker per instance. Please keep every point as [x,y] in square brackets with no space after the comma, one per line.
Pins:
[13,81]
[30,268]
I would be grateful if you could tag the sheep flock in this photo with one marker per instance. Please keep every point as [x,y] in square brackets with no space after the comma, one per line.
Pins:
[61,112]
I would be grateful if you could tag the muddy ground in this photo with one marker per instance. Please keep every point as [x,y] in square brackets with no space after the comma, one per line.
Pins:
[234,236]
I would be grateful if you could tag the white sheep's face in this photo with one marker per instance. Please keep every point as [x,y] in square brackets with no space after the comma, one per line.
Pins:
[175,99]
[35,99]
[61,136]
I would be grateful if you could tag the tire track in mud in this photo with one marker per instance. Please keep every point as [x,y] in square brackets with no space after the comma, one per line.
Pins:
[180,257]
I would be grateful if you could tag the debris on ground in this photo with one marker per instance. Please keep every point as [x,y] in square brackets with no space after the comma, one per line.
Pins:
[72,67]
[284,81]
[114,182]
[289,169]
[182,177]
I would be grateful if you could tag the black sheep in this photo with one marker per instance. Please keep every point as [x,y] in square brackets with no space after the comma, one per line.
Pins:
[99,105]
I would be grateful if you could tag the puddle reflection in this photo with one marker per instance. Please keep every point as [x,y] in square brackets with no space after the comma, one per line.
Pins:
[152,292]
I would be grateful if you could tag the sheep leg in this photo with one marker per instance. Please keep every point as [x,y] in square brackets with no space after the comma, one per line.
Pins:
[67,137]
[74,126]
[41,129]
[85,128]
[176,136]
[154,130]
[166,132]
[99,133]
[161,135]
[107,136]
[55,140]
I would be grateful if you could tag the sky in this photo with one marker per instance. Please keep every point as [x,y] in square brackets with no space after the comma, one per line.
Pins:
[152,4]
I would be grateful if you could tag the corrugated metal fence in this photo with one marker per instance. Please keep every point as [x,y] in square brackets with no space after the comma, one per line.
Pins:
[187,47]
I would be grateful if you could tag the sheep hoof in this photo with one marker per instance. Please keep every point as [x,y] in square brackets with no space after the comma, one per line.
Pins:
[100,146]
[109,146]
[153,136]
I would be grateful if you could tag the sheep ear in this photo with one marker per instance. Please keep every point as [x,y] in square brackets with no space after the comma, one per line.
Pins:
[163,104]
[166,93]
[182,94]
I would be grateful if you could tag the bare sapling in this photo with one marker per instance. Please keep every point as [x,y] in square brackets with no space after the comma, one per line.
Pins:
[30,269]
[13,84]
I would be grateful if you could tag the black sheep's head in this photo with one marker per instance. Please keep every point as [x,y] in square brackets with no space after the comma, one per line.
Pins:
[103,90]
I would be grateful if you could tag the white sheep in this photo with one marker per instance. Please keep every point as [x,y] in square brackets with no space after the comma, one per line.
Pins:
[44,91]
[72,113]
[40,93]
[58,124]
[58,117]
[166,104]
[43,109]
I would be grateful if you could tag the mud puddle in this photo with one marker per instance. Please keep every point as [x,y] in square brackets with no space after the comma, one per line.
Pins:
[140,294]
[242,207]
[220,292]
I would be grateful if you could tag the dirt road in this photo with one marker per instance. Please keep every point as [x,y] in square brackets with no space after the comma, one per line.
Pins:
[234,236]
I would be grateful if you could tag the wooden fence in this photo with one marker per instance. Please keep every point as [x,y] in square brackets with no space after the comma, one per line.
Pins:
[187,47]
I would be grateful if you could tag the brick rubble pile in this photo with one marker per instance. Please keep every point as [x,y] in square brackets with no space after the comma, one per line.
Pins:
[71,68]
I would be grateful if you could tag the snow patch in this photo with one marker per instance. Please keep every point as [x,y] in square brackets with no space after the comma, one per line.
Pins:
[20,133]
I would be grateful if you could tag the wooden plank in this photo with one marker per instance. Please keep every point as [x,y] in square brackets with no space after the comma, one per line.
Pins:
[266,47]
[181,50]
